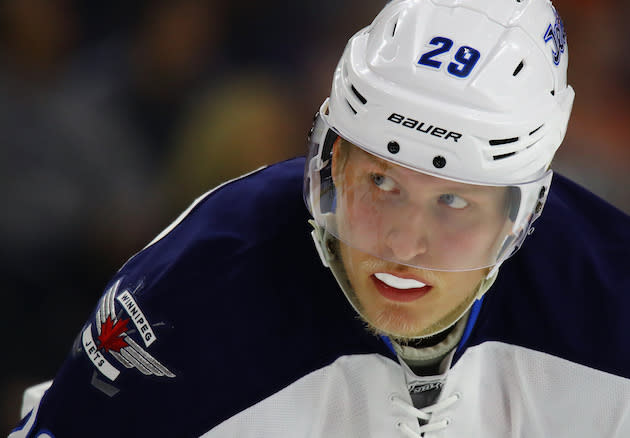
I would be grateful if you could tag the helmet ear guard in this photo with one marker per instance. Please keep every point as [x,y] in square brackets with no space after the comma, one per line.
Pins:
[321,240]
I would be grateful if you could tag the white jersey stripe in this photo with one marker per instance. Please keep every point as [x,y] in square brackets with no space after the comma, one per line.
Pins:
[182,216]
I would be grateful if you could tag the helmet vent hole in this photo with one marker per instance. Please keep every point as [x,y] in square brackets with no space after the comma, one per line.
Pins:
[353,110]
[553,92]
[518,68]
[503,141]
[395,20]
[359,96]
[502,156]
[536,130]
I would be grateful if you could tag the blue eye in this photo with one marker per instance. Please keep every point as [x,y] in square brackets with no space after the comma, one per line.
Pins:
[453,201]
[383,182]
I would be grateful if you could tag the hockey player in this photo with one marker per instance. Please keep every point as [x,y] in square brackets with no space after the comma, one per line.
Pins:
[427,166]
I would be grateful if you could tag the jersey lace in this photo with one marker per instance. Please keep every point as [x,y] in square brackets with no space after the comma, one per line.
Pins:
[431,416]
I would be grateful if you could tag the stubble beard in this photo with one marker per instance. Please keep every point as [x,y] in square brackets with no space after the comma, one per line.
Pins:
[393,319]
[390,320]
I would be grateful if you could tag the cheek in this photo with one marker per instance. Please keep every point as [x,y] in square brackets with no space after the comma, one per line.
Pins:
[359,218]
[463,247]
[353,262]
[476,242]
[462,284]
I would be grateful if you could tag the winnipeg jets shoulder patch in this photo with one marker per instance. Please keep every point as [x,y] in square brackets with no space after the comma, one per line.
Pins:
[119,336]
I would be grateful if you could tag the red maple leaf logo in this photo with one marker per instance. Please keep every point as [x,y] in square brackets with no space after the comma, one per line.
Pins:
[110,335]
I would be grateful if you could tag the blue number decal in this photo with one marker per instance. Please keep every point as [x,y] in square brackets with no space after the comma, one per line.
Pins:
[467,58]
[463,62]
[556,33]
[445,46]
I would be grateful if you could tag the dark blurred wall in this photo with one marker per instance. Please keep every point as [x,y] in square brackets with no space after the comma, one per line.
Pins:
[595,152]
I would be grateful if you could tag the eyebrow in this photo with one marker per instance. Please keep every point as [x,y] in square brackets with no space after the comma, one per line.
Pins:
[463,188]
[381,163]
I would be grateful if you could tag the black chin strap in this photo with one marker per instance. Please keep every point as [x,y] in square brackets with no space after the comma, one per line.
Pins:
[432,340]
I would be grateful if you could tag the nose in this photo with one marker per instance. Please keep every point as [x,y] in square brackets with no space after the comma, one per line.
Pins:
[407,242]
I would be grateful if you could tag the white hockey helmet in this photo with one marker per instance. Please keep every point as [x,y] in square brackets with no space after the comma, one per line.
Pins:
[468,92]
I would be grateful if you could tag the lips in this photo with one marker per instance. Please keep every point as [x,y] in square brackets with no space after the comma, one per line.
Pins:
[399,289]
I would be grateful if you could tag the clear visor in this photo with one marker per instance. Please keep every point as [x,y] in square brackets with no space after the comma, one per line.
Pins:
[411,217]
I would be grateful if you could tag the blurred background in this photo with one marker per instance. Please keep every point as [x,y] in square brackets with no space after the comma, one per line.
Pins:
[115,115]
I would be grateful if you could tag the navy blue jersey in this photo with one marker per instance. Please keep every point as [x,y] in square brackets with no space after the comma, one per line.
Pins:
[230,314]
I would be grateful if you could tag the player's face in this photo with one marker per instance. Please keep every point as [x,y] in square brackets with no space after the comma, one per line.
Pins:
[411,219]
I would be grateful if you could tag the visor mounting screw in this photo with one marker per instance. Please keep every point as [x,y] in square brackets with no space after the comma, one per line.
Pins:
[439,162]
[393,147]
[539,207]
[543,190]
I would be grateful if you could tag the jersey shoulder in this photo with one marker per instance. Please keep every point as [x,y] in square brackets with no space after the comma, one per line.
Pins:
[567,290]
[220,311]
[572,208]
